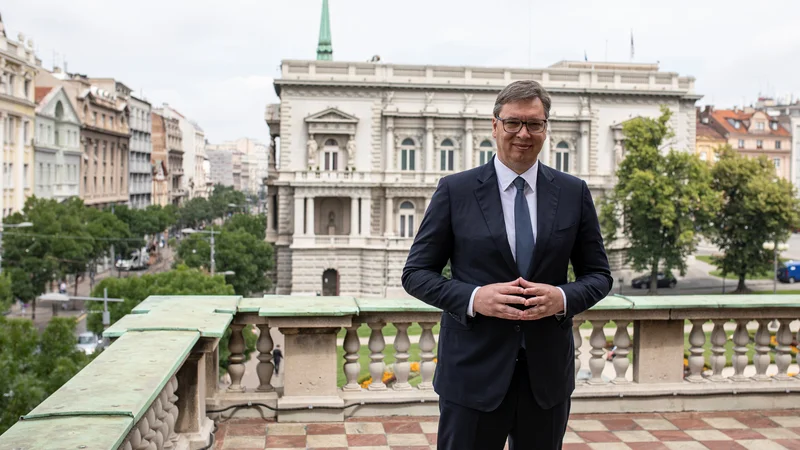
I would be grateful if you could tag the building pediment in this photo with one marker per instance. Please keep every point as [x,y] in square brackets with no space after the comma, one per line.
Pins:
[331,121]
[332,115]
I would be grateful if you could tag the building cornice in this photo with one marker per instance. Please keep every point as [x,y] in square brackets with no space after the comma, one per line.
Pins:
[479,88]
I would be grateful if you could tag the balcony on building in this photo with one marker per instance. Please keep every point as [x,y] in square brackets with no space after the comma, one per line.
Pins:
[158,385]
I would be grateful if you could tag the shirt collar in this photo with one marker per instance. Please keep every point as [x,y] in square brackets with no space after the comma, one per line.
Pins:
[506,176]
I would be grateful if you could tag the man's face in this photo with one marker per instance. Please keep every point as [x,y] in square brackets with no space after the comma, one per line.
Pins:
[519,150]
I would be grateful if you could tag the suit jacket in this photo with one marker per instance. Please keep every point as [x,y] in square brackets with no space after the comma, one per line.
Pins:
[464,224]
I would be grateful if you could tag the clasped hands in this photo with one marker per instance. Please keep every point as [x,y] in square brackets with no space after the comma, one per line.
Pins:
[494,300]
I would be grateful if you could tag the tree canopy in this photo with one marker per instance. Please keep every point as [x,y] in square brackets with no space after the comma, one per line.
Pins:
[758,207]
[662,202]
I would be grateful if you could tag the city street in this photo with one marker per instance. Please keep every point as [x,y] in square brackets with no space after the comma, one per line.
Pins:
[45,313]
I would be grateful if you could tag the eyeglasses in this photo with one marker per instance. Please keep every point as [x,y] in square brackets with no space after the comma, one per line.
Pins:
[514,125]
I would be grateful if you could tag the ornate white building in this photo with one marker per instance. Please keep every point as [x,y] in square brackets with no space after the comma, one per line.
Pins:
[363,145]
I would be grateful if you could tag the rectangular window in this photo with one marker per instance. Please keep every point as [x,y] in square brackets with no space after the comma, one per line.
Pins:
[760,126]
[446,162]
[777,162]
[94,117]
[410,226]
[25,177]
[703,156]
[112,122]
[27,88]
[777,145]
[404,160]
[12,85]
[402,226]
[57,138]
[485,156]
[759,143]
[741,143]
[562,161]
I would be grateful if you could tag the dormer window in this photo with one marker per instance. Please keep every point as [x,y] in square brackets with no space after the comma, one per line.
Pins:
[760,126]
[737,124]
[774,125]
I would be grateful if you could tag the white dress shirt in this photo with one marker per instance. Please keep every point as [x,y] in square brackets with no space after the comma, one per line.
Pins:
[508,193]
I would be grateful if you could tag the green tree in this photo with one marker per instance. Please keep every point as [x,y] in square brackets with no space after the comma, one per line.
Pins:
[253,224]
[195,213]
[661,203]
[235,250]
[34,366]
[222,197]
[180,281]
[6,294]
[758,206]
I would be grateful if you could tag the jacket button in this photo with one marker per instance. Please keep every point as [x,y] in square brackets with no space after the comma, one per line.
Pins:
[516,327]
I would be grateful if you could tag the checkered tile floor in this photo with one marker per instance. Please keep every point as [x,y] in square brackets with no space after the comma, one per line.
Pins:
[759,430]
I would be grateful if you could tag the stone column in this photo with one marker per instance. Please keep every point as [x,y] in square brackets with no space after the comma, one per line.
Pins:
[366,213]
[354,216]
[545,156]
[468,149]
[584,151]
[310,216]
[390,144]
[2,163]
[19,163]
[298,215]
[389,225]
[429,144]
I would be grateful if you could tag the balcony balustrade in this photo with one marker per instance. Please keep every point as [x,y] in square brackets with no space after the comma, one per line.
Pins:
[157,385]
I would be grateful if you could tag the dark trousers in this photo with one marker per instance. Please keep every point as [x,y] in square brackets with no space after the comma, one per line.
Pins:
[518,418]
[277,363]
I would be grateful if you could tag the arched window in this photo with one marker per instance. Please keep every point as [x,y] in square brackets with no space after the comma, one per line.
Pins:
[446,155]
[331,154]
[59,111]
[407,219]
[562,157]
[485,152]
[408,154]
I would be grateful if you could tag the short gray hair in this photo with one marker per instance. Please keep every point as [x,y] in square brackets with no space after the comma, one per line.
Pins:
[522,90]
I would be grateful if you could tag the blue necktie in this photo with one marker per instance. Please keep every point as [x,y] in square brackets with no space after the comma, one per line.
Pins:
[523,229]
[524,233]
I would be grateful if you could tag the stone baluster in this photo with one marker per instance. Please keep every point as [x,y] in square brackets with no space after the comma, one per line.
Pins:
[761,358]
[162,415]
[401,365]
[578,341]
[783,356]
[598,342]
[236,359]
[376,365]
[265,367]
[426,345]
[718,339]
[155,411]
[352,344]
[622,340]
[740,341]
[149,420]
[697,340]
[173,410]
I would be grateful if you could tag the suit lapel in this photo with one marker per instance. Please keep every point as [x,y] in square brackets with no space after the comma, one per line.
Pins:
[488,196]
[546,209]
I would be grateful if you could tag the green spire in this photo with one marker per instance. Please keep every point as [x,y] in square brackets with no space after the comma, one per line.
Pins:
[325,47]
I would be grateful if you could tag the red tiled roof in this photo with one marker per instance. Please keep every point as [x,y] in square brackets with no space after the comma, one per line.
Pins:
[41,92]
[704,130]
[721,117]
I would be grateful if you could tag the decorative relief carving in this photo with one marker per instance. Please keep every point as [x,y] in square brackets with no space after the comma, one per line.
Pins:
[311,151]
[351,151]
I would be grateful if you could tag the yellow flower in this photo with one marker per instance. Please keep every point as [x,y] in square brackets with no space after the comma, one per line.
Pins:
[415,367]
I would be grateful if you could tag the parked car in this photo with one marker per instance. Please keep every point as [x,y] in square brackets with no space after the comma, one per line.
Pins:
[88,343]
[789,272]
[664,280]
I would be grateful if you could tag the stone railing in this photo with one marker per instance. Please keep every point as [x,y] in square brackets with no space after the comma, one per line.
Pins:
[159,379]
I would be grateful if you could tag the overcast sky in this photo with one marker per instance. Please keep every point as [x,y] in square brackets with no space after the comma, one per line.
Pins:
[215,61]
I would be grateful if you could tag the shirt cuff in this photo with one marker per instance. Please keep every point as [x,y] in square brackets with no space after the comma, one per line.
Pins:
[563,296]
[470,312]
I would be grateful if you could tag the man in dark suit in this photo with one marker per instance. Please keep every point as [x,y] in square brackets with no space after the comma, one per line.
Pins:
[509,229]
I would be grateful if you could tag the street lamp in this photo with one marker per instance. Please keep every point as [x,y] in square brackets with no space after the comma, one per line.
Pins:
[3,226]
[775,247]
[211,232]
